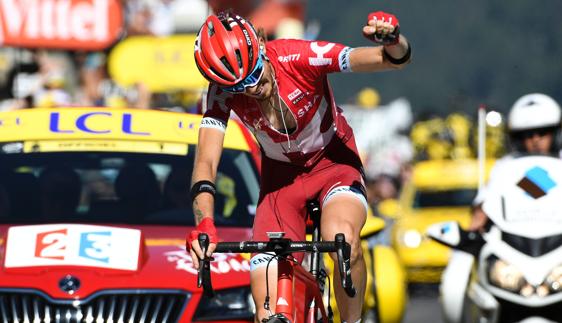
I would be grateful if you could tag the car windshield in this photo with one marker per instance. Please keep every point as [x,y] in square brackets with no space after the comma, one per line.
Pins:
[444,198]
[131,188]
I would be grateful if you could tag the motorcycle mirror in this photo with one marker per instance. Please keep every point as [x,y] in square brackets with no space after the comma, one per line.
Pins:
[447,233]
[452,235]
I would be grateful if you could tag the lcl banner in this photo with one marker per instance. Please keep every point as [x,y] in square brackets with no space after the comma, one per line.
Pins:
[62,24]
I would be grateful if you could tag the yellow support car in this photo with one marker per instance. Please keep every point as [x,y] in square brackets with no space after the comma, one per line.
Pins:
[99,145]
[439,190]
[94,209]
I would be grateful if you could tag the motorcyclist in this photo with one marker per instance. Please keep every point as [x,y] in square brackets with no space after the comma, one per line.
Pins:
[534,128]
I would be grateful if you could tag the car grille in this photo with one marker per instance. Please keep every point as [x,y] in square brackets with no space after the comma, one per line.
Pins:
[426,274]
[137,306]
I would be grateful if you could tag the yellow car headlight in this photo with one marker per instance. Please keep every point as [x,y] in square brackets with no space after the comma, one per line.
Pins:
[412,238]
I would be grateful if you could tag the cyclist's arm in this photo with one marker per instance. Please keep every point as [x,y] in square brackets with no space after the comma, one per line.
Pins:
[371,59]
[207,157]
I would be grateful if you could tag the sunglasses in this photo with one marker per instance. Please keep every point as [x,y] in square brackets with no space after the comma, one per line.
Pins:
[251,80]
[541,132]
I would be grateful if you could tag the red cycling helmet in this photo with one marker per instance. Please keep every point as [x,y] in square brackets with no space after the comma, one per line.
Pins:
[226,49]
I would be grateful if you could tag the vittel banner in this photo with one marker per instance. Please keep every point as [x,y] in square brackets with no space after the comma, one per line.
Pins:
[63,24]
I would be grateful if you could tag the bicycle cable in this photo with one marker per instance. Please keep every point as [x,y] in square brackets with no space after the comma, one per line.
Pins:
[274,256]
[266,302]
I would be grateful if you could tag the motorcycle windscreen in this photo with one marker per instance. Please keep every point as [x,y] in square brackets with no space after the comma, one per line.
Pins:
[523,196]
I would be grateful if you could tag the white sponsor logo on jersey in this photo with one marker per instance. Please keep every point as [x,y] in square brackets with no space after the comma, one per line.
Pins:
[305,109]
[320,60]
[294,94]
[209,122]
[288,58]
[215,98]
[345,64]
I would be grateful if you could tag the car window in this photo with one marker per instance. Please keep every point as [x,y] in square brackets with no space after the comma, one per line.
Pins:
[444,198]
[131,188]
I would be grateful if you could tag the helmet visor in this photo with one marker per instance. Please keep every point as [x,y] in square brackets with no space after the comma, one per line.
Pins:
[530,133]
[251,80]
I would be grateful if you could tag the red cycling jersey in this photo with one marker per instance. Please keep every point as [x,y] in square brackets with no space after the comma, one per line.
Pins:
[301,69]
[321,159]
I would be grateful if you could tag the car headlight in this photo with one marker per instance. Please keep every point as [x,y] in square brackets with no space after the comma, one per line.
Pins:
[234,303]
[412,238]
[506,276]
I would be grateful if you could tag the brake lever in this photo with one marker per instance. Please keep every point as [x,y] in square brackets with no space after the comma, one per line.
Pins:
[344,264]
[204,272]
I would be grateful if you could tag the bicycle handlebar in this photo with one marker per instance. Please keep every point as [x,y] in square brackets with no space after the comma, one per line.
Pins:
[279,246]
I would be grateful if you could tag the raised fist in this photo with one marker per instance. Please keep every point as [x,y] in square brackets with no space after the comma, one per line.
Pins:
[382,28]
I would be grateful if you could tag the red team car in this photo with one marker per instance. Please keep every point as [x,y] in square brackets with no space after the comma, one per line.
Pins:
[94,209]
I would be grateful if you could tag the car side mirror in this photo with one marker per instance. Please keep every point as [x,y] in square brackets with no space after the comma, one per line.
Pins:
[373,225]
[389,208]
[452,235]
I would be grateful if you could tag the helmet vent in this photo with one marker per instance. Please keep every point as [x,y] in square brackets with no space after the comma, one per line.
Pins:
[227,65]
[210,28]
[217,73]
[226,20]
[239,58]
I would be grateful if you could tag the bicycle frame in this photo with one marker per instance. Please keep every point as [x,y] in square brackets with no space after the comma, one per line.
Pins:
[293,280]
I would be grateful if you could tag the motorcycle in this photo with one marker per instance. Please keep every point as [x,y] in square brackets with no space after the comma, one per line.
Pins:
[512,271]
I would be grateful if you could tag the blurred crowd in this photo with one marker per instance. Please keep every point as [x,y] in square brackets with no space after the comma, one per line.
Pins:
[37,77]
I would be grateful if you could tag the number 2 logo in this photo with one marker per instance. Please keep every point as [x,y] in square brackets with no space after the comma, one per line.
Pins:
[51,244]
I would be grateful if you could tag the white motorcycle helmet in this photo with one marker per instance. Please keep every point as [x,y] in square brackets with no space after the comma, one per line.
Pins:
[531,112]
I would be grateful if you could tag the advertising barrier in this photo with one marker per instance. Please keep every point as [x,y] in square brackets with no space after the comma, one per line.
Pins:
[61,24]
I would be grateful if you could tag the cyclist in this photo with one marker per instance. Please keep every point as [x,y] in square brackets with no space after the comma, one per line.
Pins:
[534,124]
[280,91]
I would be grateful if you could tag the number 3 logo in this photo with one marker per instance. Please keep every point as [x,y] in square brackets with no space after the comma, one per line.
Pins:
[95,245]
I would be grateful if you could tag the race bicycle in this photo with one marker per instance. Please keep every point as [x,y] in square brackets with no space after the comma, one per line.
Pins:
[292,278]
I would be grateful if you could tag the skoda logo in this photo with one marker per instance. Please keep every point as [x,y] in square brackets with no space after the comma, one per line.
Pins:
[69,284]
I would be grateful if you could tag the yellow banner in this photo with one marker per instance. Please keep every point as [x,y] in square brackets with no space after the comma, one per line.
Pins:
[116,126]
[163,64]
